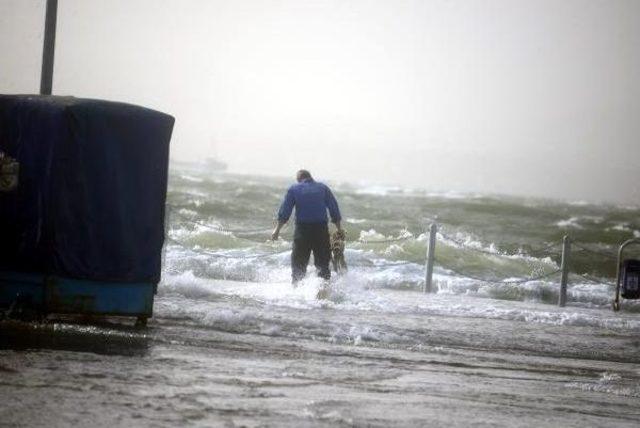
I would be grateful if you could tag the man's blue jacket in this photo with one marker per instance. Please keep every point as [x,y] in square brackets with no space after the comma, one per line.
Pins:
[312,200]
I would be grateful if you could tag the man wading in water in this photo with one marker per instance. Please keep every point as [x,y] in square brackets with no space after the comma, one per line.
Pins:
[312,200]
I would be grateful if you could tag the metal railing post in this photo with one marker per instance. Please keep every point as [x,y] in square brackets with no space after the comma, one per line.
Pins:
[616,300]
[564,266]
[431,249]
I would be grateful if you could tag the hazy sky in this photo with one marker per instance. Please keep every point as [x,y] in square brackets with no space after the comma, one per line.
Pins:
[521,97]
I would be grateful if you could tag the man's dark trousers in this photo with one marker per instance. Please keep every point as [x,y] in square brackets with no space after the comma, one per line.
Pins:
[306,238]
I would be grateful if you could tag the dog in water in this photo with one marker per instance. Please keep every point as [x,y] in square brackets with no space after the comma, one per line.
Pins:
[337,243]
[337,240]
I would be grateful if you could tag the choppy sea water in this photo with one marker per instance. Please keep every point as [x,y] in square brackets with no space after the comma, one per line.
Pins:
[232,343]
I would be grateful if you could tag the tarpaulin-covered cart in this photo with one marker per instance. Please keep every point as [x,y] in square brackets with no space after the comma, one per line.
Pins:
[82,194]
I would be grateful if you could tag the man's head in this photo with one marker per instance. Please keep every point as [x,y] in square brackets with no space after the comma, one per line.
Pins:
[302,175]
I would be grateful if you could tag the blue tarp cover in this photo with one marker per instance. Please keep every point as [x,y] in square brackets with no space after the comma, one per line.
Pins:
[92,187]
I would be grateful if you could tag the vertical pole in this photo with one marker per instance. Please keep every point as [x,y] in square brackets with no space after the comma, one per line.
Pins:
[431,249]
[48,48]
[564,266]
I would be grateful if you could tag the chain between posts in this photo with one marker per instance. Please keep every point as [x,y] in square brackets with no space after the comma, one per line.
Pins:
[599,253]
[502,281]
[222,228]
[384,241]
[465,246]
[594,280]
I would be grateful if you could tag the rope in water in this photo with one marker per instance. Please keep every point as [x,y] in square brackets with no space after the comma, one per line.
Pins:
[388,264]
[250,232]
[466,246]
[501,281]
[385,265]
[599,253]
[385,241]
[462,244]
[224,256]
[594,280]
[222,228]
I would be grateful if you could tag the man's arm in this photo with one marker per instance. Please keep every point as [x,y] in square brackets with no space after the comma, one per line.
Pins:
[334,210]
[276,232]
[284,213]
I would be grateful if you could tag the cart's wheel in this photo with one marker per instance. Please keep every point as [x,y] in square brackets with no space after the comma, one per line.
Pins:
[141,322]
[616,306]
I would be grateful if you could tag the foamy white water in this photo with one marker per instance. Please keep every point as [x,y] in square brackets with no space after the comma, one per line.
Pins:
[232,343]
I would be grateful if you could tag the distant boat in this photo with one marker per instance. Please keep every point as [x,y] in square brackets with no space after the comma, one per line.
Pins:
[212,164]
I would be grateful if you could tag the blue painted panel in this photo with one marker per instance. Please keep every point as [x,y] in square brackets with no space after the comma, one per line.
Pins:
[77,296]
[64,295]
